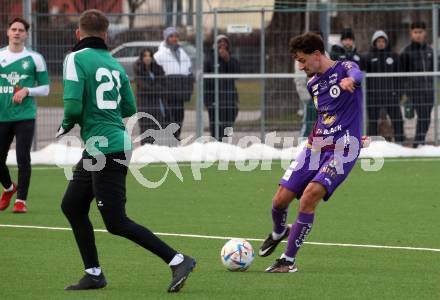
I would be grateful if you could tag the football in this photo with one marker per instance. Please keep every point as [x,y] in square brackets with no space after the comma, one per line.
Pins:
[237,255]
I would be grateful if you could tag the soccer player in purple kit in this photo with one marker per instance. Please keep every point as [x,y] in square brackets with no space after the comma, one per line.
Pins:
[331,152]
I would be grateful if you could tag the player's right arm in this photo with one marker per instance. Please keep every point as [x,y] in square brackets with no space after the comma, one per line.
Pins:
[73,80]
[354,76]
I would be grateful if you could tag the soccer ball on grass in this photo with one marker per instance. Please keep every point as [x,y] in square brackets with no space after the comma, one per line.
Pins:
[237,255]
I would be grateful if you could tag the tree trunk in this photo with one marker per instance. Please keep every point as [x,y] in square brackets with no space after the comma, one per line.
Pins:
[281,98]
[133,7]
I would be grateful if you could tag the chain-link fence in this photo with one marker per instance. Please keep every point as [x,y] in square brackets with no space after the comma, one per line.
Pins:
[249,74]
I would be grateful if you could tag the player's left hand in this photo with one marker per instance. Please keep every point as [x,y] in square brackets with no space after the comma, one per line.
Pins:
[20,95]
[348,84]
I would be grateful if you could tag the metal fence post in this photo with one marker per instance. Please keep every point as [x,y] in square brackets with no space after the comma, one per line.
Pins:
[199,68]
[263,81]
[364,104]
[324,21]
[216,83]
[436,91]
[27,13]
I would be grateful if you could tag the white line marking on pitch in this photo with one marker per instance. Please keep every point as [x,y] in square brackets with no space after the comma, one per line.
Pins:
[230,237]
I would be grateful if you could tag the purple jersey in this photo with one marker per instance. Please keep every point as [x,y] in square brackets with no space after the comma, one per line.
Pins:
[339,112]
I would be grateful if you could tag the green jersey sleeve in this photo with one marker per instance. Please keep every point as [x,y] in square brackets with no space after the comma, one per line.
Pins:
[73,78]
[74,81]
[41,74]
[72,113]
[128,103]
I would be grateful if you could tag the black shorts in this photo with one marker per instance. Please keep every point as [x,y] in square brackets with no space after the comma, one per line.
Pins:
[107,184]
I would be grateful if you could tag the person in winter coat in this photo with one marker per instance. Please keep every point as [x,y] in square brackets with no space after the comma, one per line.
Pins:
[179,80]
[150,92]
[383,93]
[347,49]
[228,96]
[418,57]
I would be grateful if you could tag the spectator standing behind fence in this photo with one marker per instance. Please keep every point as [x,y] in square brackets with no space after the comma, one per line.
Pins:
[179,80]
[228,96]
[347,49]
[418,57]
[383,93]
[150,91]
[23,76]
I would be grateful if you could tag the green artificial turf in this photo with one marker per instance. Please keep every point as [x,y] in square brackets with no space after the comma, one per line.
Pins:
[397,206]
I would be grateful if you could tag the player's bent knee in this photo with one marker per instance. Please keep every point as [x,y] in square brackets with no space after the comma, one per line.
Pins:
[67,209]
[307,205]
[311,197]
[283,197]
[118,226]
[115,228]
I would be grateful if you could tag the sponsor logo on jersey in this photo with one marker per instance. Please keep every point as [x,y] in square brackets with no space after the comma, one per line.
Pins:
[332,130]
[335,91]
[347,65]
[328,170]
[13,78]
[323,85]
[25,64]
[6,89]
[333,78]
[328,119]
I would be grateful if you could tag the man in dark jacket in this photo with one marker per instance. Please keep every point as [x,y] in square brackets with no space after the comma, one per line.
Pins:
[347,49]
[418,57]
[383,93]
[228,96]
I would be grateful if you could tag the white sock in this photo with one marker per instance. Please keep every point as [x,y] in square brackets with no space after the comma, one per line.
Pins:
[10,189]
[277,236]
[291,259]
[18,200]
[94,271]
[177,259]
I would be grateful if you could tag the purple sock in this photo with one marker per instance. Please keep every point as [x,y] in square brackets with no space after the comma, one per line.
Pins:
[299,232]
[279,217]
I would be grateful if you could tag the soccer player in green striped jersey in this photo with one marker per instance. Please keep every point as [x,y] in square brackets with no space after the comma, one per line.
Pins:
[97,95]
[23,75]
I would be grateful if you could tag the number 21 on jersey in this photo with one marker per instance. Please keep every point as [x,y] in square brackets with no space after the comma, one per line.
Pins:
[107,86]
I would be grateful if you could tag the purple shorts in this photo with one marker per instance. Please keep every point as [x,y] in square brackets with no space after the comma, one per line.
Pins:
[327,168]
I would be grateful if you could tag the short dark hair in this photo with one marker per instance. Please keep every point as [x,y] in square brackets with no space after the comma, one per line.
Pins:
[19,20]
[418,25]
[307,43]
[93,22]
